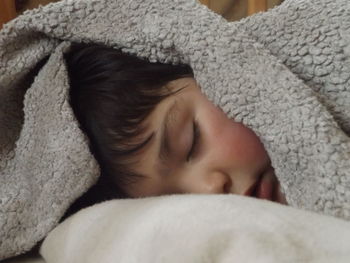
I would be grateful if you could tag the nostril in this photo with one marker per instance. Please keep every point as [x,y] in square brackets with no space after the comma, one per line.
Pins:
[217,182]
[227,187]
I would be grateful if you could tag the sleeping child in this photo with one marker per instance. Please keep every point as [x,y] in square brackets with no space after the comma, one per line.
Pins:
[281,79]
[153,132]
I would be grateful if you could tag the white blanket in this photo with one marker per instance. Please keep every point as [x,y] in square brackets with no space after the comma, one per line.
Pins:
[197,228]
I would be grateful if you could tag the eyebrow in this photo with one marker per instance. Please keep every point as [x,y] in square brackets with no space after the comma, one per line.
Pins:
[164,149]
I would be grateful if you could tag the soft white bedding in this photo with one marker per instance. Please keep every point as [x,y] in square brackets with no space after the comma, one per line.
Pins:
[197,228]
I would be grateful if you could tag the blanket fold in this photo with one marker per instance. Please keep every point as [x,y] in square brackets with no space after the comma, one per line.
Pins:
[256,70]
[210,228]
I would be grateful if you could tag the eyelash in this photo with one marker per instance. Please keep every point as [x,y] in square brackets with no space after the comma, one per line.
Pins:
[196,136]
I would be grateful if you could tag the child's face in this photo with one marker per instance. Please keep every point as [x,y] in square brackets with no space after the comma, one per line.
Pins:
[227,156]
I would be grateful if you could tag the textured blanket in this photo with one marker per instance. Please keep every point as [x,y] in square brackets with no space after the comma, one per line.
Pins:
[285,74]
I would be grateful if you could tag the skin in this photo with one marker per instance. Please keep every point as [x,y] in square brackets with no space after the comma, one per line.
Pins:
[229,157]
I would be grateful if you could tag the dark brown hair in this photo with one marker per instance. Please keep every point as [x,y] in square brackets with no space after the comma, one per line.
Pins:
[111,93]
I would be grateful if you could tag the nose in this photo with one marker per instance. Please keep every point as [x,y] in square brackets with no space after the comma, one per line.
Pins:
[215,182]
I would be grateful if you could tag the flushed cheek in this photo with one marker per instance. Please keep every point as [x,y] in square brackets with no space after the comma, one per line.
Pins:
[242,145]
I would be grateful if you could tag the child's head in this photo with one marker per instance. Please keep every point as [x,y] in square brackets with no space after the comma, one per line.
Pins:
[153,132]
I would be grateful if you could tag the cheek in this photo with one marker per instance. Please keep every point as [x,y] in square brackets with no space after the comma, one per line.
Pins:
[239,144]
[230,141]
[247,142]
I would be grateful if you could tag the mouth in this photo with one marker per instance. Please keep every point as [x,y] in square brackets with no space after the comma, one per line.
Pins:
[263,188]
[253,189]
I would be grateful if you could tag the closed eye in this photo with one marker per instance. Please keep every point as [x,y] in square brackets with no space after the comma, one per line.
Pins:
[195,140]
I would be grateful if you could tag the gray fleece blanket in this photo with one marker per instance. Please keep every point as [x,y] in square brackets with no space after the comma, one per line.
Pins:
[284,73]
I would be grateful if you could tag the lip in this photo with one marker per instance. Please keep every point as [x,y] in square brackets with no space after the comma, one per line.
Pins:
[263,188]
[252,189]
